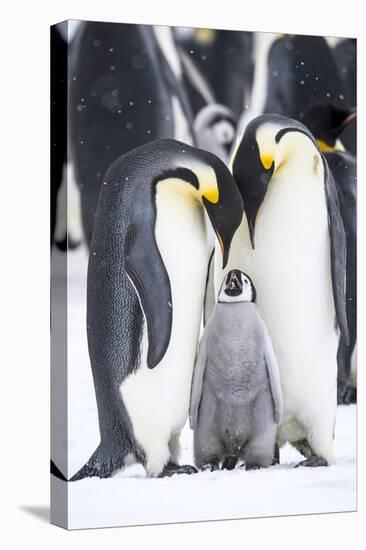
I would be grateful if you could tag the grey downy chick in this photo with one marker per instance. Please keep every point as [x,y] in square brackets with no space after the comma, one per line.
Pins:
[215,130]
[236,398]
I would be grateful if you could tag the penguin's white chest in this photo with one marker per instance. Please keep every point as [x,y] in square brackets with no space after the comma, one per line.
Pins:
[291,268]
[157,399]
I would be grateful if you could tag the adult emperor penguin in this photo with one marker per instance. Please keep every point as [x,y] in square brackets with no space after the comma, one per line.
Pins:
[302,72]
[328,123]
[146,279]
[292,243]
[345,53]
[343,166]
[218,62]
[122,93]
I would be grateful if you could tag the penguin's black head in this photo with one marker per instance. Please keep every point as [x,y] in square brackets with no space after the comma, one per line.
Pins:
[260,151]
[237,287]
[326,122]
[204,178]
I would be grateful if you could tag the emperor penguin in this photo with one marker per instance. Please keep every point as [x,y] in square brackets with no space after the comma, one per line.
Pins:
[292,243]
[146,279]
[216,63]
[343,166]
[328,123]
[302,72]
[123,93]
[236,398]
[345,53]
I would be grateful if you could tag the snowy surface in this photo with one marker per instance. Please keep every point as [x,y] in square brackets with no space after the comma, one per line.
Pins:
[130,498]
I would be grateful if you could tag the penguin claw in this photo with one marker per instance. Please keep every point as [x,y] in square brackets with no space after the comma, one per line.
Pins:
[313,461]
[229,463]
[171,469]
[210,467]
[346,394]
[249,467]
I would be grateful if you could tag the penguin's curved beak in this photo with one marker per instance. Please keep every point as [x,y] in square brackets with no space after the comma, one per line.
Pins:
[226,214]
[224,250]
[352,115]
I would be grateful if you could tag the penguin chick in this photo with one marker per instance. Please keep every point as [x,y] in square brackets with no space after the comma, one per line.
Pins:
[215,130]
[236,399]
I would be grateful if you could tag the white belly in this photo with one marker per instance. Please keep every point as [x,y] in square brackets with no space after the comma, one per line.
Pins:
[157,399]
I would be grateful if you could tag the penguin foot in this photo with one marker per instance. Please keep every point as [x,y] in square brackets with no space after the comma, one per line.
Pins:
[346,394]
[249,467]
[303,446]
[171,469]
[229,463]
[210,466]
[313,461]
[276,455]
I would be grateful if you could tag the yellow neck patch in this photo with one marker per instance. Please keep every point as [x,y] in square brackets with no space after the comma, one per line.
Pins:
[324,147]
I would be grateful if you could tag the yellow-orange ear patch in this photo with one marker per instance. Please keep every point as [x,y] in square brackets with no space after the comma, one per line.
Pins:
[211,194]
[324,147]
[205,36]
[267,161]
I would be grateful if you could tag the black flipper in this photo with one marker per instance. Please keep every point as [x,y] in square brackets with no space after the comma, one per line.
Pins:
[209,301]
[344,170]
[338,251]
[151,282]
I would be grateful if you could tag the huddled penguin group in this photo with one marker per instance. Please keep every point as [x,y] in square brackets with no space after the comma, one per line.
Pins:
[202,220]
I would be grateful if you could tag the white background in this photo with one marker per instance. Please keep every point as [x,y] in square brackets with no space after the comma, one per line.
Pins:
[24,271]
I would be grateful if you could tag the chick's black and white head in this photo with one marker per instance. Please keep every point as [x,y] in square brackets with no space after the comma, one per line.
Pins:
[215,130]
[237,287]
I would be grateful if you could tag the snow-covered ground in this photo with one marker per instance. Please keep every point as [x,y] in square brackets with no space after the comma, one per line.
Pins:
[131,499]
